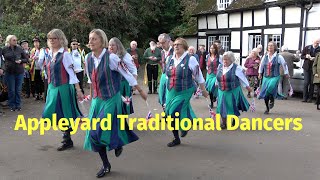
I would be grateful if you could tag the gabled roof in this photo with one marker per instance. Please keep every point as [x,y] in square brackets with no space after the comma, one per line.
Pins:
[210,6]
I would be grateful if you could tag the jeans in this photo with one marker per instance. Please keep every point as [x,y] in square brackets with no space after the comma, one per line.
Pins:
[14,82]
[308,88]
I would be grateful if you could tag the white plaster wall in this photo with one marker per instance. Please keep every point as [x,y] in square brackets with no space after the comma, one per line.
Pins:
[212,22]
[293,15]
[254,31]
[275,15]
[272,31]
[222,21]
[192,41]
[312,35]
[234,20]
[202,42]
[245,43]
[291,38]
[202,22]
[260,18]
[247,19]
[235,40]
[314,15]
[201,33]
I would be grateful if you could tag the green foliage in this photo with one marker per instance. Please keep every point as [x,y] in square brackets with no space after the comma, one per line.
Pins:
[126,19]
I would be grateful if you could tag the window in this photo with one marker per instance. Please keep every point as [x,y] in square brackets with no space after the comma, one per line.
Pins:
[275,38]
[254,41]
[224,42]
[211,39]
[223,4]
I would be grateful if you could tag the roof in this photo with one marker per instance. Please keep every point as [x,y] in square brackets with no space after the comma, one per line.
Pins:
[210,6]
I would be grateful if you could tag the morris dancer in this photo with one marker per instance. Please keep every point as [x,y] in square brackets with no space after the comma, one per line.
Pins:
[270,67]
[116,47]
[104,71]
[230,96]
[213,60]
[61,98]
[167,51]
[180,85]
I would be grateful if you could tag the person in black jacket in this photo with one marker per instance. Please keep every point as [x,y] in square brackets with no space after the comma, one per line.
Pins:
[14,58]
[309,54]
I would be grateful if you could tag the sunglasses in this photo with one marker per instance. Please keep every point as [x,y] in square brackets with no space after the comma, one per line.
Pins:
[74,44]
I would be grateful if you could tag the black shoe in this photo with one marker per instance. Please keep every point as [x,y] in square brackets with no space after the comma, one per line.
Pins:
[304,101]
[175,142]
[155,92]
[65,146]
[103,171]
[118,151]
[149,92]
[12,109]
[223,126]
[266,112]
[184,133]
[309,101]
[18,109]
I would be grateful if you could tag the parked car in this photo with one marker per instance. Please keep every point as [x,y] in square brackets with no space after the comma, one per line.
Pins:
[297,80]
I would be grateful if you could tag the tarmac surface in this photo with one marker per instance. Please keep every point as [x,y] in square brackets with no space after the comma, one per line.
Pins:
[212,155]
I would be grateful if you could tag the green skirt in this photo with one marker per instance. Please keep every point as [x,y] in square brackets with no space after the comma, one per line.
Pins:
[62,101]
[110,139]
[210,84]
[231,102]
[126,96]
[180,102]
[162,89]
[270,87]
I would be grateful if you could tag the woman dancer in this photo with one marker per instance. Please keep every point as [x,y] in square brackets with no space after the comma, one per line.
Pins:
[230,96]
[116,47]
[180,85]
[213,60]
[61,99]
[104,71]
[270,67]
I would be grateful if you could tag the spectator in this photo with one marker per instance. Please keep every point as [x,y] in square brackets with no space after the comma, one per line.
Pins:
[218,43]
[283,86]
[308,54]
[202,54]
[192,52]
[252,65]
[14,58]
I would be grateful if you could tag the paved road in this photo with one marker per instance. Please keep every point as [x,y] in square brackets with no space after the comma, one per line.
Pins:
[225,155]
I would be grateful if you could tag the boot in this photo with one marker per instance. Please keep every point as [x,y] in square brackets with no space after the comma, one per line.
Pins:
[150,87]
[67,143]
[155,87]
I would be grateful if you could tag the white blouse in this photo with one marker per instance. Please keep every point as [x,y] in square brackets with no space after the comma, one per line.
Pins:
[280,60]
[127,59]
[76,56]
[239,73]
[193,66]
[114,64]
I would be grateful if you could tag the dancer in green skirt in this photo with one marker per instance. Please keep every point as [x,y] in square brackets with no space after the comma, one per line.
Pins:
[116,47]
[231,100]
[180,70]
[167,51]
[270,67]
[213,60]
[104,71]
[62,81]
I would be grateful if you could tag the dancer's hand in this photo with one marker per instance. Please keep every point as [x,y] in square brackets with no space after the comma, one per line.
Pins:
[205,94]
[80,95]
[287,76]
[259,76]
[249,89]
[316,75]
[143,95]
